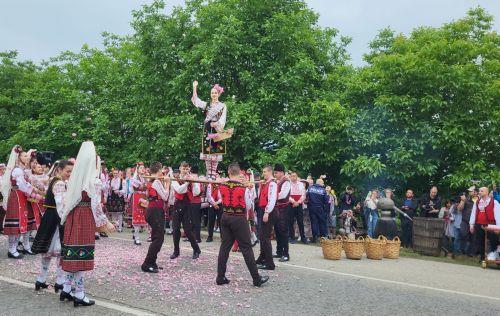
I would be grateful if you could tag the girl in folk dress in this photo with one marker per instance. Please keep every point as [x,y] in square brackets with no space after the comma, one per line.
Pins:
[215,120]
[47,240]
[39,180]
[116,199]
[19,217]
[138,201]
[80,215]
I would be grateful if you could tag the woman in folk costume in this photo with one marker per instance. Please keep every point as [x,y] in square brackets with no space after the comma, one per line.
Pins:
[80,215]
[47,240]
[19,218]
[213,126]
[128,196]
[39,180]
[2,210]
[138,201]
[116,199]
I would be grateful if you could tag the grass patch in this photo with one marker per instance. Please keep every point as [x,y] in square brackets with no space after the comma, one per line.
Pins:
[463,260]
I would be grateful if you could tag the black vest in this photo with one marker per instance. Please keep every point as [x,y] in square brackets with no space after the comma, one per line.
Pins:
[50,201]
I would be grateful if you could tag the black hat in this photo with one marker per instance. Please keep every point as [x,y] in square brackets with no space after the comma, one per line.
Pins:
[279,167]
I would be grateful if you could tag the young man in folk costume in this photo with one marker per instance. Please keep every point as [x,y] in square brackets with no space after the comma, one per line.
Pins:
[194,192]
[485,212]
[157,193]
[236,201]
[268,194]
[116,199]
[181,214]
[297,199]
[215,208]
[138,201]
[282,208]
[81,216]
[19,217]
[47,240]
[213,127]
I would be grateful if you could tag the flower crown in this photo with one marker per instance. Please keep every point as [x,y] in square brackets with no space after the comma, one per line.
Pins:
[219,89]
[18,149]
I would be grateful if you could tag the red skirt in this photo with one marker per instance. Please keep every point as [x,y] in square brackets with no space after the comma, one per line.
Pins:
[38,211]
[138,212]
[79,240]
[19,217]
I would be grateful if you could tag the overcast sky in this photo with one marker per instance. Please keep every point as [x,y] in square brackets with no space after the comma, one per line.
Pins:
[40,29]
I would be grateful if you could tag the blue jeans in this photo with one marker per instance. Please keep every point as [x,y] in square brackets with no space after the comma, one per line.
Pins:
[372,222]
[457,242]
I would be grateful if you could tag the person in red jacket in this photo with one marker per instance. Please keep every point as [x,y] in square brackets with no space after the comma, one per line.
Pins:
[236,201]
[486,211]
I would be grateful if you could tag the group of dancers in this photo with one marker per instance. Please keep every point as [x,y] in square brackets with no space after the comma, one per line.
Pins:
[69,205]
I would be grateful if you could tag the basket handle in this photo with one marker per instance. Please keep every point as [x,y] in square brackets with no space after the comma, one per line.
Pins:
[361,238]
[396,239]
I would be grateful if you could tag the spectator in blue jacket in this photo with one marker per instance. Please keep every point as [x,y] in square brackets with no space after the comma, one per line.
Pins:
[318,206]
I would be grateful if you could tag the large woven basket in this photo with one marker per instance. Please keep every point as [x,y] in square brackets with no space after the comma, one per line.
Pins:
[392,248]
[332,248]
[375,248]
[354,248]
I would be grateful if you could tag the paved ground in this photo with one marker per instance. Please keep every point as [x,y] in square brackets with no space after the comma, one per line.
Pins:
[308,284]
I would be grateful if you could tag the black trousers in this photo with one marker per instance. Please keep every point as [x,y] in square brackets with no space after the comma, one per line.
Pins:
[296,213]
[213,217]
[155,217]
[406,233]
[180,215]
[266,249]
[195,214]
[281,229]
[235,228]
[492,238]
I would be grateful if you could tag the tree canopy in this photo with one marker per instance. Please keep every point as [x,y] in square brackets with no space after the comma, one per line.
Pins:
[424,109]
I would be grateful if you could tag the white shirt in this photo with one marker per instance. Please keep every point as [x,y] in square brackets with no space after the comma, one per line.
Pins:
[160,189]
[482,204]
[271,197]
[285,190]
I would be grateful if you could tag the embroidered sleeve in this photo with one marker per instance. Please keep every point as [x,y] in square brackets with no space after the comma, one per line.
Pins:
[162,192]
[59,188]
[199,103]
[180,188]
[99,216]
[21,182]
[285,189]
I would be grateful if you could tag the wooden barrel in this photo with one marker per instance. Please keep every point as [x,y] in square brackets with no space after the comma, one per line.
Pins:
[428,235]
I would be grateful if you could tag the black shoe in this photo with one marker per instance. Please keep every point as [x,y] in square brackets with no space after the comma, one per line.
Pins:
[174,255]
[28,252]
[103,234]
[277,256]
[12,256]
[284,259]
[58,287]
[210,239]
[149,269]
[40,285]
[77,302]
[198,241]
[314,240]
[149,239]
[304,241]
[264,267]
[260,281]
[222,281]
[196,254]
[292,240]
[97,237]
[65,296]
[137,242]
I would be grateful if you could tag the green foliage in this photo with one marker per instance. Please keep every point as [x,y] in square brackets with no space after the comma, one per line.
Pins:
[425,109]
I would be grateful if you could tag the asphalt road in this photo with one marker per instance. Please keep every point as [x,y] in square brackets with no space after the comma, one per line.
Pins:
[308,284]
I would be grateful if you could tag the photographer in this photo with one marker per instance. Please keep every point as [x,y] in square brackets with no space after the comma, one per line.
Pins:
[430,204]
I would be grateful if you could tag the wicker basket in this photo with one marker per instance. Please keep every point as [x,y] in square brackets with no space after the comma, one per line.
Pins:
[354,249]
[332,248]
[375,248]
[392,248]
